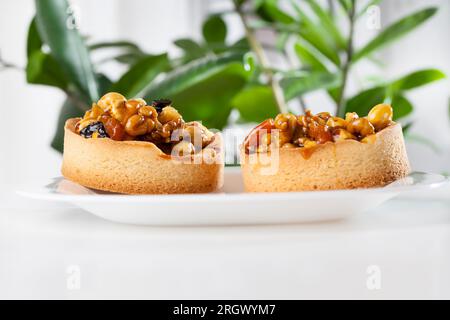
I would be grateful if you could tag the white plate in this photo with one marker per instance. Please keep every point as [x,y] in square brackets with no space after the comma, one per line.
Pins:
[230,205]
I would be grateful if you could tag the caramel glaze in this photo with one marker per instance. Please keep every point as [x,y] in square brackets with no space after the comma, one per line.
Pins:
[165,156]
[309,131]
[305,152]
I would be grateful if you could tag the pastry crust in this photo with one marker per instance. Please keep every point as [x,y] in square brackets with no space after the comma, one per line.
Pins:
[345,164]
[138,167]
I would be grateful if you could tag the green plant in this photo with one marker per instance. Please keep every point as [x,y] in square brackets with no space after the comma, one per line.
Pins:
[212,76]
[321,46]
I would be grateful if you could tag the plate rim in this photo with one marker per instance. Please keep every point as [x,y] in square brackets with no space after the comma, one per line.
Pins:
[440,180]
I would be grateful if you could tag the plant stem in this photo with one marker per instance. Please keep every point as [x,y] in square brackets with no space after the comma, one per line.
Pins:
[331,7]
[263,60]
[302,104]
[346,67]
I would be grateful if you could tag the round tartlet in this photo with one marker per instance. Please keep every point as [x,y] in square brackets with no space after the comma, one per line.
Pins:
[346,164]
[139,167]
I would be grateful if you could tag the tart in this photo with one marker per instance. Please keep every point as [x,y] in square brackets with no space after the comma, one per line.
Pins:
[131,147]
[322,152]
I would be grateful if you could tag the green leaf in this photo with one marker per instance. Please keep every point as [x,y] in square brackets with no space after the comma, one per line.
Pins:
[127,45]
[308,58]
[215,31]
[43,69]
[395,31]
[104,83]
[129,52]
[334,94]
[328,24]
[369,4]
[241,45]
[269,10]
[297,85]
[417,79]
[192,49]
[189,45]
[34,41]
[203,89]
[364,101]
[66,45]
[317,36]
[191,74]
[312,35]
[68,110]
[140,75]
[209,101]
[239,2]
[402,106]
[255,103]
[346,5]
[406,127]
[129,58]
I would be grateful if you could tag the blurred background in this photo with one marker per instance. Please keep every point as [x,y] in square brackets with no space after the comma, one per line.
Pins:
[206,40]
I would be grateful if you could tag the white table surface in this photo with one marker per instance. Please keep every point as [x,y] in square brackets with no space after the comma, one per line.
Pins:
[408,242]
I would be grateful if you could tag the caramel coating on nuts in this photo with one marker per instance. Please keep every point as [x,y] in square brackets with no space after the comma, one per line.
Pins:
[133,119]
[148,111]
[138,125]
[336,122]
[360,127]
[115,103]
[309,130]
[169,114]
[380,116]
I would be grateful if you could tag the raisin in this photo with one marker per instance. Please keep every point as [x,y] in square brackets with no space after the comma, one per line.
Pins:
[159,104]
[113,128]
[92,128]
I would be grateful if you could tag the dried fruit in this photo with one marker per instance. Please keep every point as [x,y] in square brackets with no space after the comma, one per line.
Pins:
[94,130]
[113,128]
[159,104]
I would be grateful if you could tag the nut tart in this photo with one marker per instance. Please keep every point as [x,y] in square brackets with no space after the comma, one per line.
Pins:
[131,147]
[322,152]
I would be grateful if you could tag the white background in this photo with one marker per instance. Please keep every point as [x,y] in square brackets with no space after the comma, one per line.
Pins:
[29,112]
